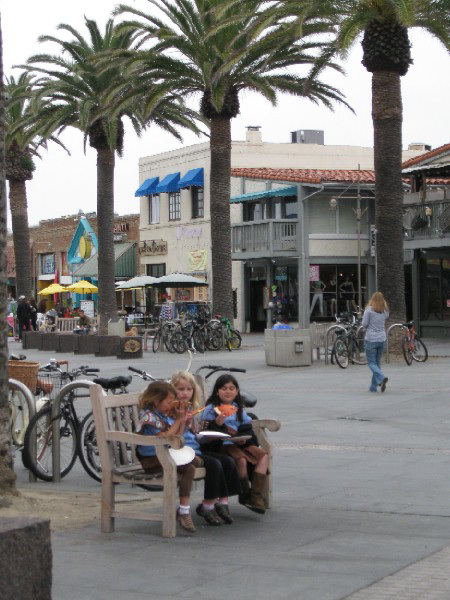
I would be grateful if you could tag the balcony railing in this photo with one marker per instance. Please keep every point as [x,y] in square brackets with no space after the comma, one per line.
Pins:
[418,224]
[265,236]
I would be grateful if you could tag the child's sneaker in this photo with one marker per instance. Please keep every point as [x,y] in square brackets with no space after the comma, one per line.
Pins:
[185,522]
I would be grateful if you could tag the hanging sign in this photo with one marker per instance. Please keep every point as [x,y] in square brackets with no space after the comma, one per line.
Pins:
[314,272]
[197,260]
[153,247]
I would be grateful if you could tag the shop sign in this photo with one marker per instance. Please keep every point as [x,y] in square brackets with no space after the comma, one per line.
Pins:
[281,274]
[197,260]
[373,241]
[314,272]
[121,227]
[153,247]
[188,232]
[88,307]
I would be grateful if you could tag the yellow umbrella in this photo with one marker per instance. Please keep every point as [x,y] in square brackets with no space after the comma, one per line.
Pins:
[82,287]
[54,288]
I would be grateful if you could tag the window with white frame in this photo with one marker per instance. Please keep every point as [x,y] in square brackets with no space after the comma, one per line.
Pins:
[174,206]
[153,208]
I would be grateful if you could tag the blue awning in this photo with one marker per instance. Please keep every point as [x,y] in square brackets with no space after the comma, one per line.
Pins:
[194,177]
[148,187]
[170,183]
[286,191]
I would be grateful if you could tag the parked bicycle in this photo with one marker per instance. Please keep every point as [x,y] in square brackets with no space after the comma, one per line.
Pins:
[349,344]
[232,338]
[413,346]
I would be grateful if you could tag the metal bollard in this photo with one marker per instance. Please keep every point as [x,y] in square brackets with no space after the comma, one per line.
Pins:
[332,328]
[387,338]
[23,389]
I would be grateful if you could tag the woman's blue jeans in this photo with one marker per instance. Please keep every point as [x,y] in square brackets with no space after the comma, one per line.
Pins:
[374,352]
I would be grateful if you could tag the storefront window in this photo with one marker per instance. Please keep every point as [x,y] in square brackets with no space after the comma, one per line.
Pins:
[435,289]
[47,264]
[285,292]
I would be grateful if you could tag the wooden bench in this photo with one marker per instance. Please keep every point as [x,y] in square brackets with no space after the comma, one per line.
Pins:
[116,419]
[66,324]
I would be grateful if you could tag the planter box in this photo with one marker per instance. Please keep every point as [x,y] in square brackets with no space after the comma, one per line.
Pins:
[67,342]
[31,340]
[87,344]
[49,341]
[130,348]
[109,345]
[287,348]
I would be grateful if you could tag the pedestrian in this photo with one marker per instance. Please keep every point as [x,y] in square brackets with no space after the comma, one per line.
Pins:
[33,309]
[84,323]
[374,322]
[23,315]
[222,479]
[225,411]
[156,404]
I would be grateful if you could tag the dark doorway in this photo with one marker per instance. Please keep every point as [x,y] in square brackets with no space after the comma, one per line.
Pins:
[257,313]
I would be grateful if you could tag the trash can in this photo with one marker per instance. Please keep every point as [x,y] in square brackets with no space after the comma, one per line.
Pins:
[116,326]
[288,348]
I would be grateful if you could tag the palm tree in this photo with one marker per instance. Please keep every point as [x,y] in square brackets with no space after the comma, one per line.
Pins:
[387,55]
[75,88]
[7,477]
[218,50]
[23,141]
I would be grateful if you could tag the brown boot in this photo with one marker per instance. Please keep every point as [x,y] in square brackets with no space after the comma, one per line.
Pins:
[256,500]
[245,494]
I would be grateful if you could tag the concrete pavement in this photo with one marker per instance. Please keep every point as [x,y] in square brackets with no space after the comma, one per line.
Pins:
[361,495]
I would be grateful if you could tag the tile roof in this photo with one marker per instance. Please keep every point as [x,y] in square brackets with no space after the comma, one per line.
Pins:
[431,154]
[306,175]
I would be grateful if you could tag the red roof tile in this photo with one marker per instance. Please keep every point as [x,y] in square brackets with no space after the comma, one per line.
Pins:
[431,154]
[306,175]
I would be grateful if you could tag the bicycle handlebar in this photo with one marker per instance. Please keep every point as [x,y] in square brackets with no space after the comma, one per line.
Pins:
[138,371]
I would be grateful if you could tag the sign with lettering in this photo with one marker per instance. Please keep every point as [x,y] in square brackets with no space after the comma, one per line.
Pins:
[373,241]
[121,227]
[314,272]
[153,247]
[188,232]
[197,260]
[281,274]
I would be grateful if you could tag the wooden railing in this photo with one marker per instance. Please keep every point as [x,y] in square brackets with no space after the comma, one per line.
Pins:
[265,236]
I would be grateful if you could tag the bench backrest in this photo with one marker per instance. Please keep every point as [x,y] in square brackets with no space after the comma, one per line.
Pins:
[118,413]
[64,324]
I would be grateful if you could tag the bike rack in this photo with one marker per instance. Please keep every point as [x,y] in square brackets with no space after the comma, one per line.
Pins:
[21,387]
[56,438]
[330,329]
[387,337]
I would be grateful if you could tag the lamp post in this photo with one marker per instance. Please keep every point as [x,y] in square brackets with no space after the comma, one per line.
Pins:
[359,213]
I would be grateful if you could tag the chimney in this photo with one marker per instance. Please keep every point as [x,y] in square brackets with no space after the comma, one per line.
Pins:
[254,135]
[419,146]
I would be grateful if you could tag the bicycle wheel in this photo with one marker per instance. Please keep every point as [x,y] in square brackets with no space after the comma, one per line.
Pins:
[178,342]
[198,340]
[358,356]
[19,416]
[87,448]
[235,339]
[39,460]
[407,351]
[341,353]
[156,342]
[419,352]
[214,339]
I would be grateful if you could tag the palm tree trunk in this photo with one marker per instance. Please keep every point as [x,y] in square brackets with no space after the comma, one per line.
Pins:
[107,307]
[220,215]
[7,477]
[21,236]
[387,126]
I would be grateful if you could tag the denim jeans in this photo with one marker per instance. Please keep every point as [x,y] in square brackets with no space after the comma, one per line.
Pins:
[374,352]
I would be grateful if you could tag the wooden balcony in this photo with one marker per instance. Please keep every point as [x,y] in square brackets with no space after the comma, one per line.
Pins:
[420,226]
[255,239]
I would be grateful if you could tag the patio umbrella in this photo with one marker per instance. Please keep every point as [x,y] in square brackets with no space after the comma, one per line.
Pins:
[178,280]
[138,282]
[54,288]
[82,287]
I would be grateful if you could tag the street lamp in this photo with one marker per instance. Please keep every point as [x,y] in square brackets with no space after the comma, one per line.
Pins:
[359,213]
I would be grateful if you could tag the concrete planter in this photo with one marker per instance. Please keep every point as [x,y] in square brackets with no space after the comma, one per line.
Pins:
[109,345]
[130,347]
[288,348]
[31,340]
[67,342]
[49,341]
[87,344]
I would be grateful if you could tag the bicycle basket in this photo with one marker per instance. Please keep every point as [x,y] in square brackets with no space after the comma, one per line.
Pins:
[50,382]
[24,371]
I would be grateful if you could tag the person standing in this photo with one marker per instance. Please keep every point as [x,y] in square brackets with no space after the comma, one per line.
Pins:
[23,315]
[374,323]
[33,311]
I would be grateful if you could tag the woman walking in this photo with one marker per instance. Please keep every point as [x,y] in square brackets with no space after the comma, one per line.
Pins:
[374,321]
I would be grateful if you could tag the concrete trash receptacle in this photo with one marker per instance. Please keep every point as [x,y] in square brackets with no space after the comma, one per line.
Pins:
[116,326]
[288,348]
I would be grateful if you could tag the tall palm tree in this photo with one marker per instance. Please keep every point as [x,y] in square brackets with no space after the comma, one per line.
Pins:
[217,50]
[386,47]
[23,142]
[75,88]
[7,477]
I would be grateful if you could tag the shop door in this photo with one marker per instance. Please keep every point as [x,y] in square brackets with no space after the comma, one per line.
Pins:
[257,312]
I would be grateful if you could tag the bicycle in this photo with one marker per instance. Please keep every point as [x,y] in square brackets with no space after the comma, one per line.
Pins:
[232,338]
[37,447]
[349,344]
[412,346]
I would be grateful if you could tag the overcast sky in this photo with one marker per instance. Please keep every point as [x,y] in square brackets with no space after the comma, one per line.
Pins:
[62,185]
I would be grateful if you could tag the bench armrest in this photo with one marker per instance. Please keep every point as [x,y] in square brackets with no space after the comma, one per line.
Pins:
[174,441]
[269,424]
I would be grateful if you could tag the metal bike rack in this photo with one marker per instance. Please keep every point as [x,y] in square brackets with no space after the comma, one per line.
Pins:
[330,329]
[21,387]
[56,438]
[388,335]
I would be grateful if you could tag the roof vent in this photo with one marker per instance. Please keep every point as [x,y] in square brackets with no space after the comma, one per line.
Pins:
[308,136]
[419,146]
[254,135]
